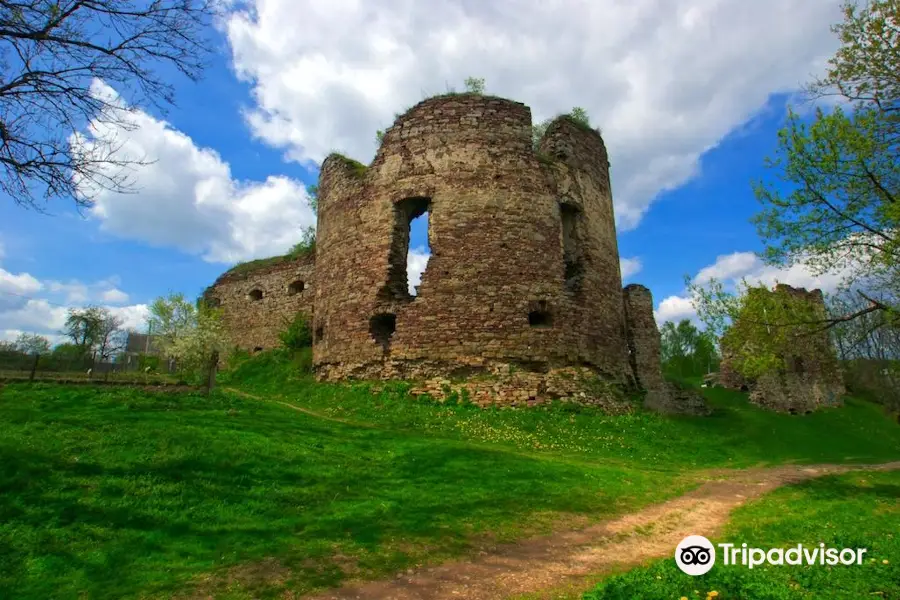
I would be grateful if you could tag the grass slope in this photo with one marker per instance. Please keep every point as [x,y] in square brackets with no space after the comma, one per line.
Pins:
[123,493]
[855,510]
[738,434]
[118,493]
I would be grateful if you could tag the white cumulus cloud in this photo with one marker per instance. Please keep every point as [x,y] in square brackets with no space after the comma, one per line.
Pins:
[416,262]
[665,80]
[675,308]
[731,269]
[185,196]
[29,305]
[630,266]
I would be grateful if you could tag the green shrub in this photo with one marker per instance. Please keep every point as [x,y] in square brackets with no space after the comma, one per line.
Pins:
[302,360]
[298,333]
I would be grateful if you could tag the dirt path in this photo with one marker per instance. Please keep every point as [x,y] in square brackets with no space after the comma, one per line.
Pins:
[570,559]
[573,559]
[305,411]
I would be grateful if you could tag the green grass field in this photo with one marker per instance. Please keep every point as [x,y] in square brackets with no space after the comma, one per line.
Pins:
[854,510]
[121,493]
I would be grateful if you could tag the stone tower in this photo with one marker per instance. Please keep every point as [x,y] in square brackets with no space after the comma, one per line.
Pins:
[524,269]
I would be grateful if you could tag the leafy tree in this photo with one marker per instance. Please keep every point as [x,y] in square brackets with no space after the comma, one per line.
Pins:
[580,116]
[203,341]
[171,316]
[306,245]
[68,353]
[96,330]
[474,85]
[55,55]
[687,351]
[298,333]
[757,328]
[312,192]
[83,326]
[837,204]
[32,344]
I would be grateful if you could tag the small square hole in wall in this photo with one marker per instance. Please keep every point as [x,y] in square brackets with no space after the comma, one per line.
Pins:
[539,314]
[382,327]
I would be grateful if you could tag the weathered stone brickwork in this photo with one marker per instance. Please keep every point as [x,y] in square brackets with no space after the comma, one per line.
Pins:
[811,377]
[644,349]
[524,264]
[258,303]
[522,299]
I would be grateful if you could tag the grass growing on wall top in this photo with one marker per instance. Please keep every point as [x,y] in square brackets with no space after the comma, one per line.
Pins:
[357,168]
[243,268]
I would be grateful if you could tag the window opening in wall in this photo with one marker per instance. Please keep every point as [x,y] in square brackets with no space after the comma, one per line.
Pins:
[799,367]
[296,287]
[382,327]
[570,216]
[406,264]
[418,253]
[319,333]
[255,295]
[539,314]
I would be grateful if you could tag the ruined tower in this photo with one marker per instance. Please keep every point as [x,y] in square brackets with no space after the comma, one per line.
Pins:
[524,266]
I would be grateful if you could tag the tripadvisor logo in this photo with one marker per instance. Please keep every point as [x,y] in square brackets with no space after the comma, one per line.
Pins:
[696,555]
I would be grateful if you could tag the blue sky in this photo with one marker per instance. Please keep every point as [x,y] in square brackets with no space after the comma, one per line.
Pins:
[689,103]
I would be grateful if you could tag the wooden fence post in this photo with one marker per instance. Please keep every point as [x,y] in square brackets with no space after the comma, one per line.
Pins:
[37,357]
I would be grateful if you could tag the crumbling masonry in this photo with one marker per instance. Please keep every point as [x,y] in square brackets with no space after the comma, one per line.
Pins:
[522,292]
[811,377]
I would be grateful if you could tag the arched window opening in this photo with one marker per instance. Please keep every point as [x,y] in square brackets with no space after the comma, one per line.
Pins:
[255,295]
[296,287]
[406,264]
[418,253]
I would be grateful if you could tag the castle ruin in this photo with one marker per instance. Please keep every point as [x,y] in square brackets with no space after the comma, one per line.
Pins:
[810,375]
[524,271]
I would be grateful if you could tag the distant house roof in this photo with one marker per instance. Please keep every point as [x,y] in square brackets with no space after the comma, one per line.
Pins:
[142,343]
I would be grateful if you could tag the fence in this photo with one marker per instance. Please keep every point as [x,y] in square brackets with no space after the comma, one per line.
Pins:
[52,366]
[129,369]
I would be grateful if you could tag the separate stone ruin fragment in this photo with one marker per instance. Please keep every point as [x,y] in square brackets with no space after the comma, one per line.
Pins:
[522,297]
[644,348]
[811,377]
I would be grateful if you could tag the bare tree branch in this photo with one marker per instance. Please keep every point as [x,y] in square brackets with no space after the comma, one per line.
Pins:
[54,57]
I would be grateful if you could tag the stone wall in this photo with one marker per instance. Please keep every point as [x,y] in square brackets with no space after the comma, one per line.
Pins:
[257,304]
[644,348]
[524,267]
